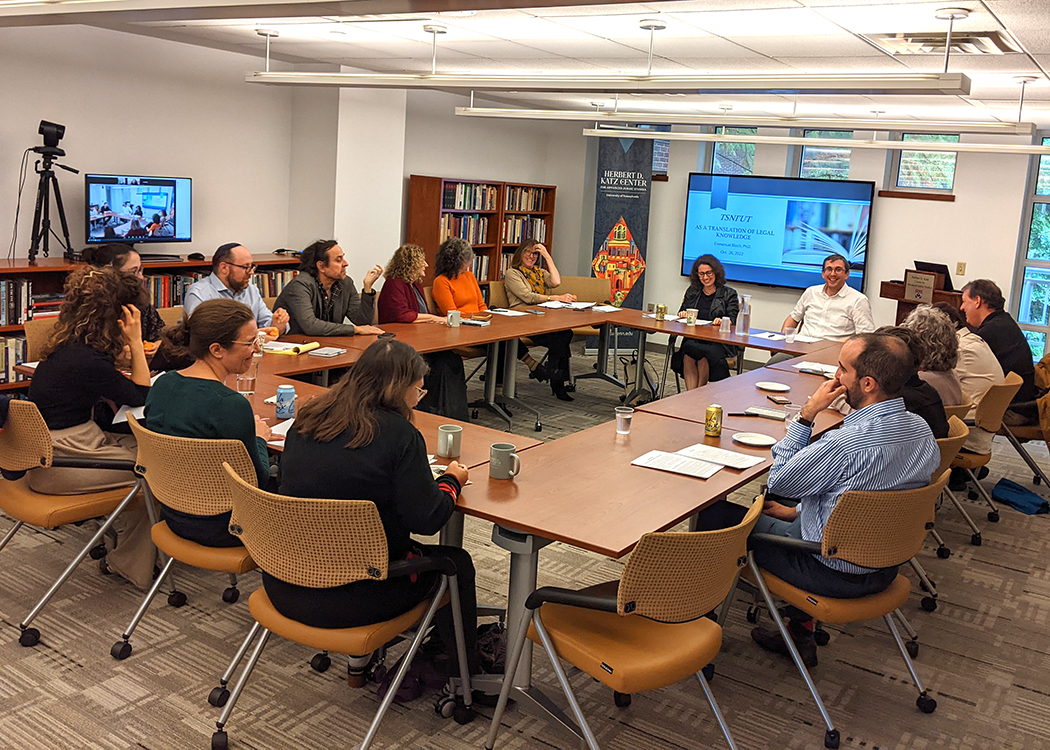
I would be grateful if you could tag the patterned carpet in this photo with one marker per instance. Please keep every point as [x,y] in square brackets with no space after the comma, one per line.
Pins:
[985,653]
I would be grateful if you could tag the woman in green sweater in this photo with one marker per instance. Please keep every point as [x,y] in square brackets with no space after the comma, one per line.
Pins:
[220,336]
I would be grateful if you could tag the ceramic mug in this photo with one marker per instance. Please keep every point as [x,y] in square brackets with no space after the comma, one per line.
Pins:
[450,437]
[503,461]
[453,318]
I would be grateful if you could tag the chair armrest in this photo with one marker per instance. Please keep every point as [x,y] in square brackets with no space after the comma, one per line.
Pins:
[757,540]
[111,464]
[416,565]
[571,598]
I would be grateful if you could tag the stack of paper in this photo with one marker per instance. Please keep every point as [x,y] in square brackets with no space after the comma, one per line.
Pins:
[828,370]
[508,313]
[721,456]
[677,464]
[279,431]
[280,347]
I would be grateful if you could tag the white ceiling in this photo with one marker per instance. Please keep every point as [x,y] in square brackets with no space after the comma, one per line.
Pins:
[702,36]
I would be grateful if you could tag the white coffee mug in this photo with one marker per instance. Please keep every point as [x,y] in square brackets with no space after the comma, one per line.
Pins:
[450,437]
[453,318]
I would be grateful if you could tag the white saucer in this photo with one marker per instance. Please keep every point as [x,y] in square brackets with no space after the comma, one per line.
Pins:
[771,386]
[756,439]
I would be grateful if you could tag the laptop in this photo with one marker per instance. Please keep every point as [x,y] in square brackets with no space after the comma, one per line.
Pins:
[921,265]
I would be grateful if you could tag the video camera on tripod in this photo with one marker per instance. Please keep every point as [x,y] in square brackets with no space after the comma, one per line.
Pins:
[49,152]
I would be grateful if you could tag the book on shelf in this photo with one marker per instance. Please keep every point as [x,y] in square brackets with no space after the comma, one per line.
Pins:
[272,283]
[470,227]
[467,196]
[481,267]
[13,352]
[525,198]
[504,263]
[16,296]
[517,229]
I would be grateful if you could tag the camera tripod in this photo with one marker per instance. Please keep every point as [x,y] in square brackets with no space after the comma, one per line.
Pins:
[42,216]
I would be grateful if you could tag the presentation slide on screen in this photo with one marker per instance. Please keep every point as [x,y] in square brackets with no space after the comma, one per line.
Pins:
[139,208]
[776,231]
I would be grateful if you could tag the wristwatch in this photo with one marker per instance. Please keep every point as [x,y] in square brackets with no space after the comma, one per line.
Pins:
[802,421]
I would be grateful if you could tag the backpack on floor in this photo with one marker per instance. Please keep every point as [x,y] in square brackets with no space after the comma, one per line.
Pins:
[1019,498]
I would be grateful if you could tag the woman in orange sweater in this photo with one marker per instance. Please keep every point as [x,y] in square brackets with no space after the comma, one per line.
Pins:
[456,288]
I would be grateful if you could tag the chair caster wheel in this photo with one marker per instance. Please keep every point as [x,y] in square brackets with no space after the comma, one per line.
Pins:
[321,662]
[462,714]
[29,637]
[445,706]
[622,700]
[912,647]
[993,516]
[831,739]
[929,603]
[708,672]
[218,696]
[752,615]
[1036,480]
[473,413]
[176,598]
[943,552]
[975,540]
[822,637]
[121,650]
[926,704]
[98,552]
[220,741]
[231,595]
[539,427]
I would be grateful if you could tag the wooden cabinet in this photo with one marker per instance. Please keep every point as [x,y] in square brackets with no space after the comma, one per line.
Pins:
[494,217]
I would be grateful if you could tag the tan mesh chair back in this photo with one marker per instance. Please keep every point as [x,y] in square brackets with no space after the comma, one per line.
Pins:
[37,333]
[428,295]
[586,288]
[309,542]
[498,294]
[881,529]
[957,410]
[25,441]
[995,402]
[186,473]
[171,315]
[951,445]
[680,576]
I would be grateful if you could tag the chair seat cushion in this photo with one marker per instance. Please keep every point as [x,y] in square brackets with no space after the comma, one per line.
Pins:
[1026,432]
[358,641]
[630,654]
[21,503]
[470,352]
[840,611]
[586,331]
[234,560]
[971,460]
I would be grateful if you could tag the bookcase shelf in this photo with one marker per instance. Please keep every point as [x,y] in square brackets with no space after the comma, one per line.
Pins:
[513,213]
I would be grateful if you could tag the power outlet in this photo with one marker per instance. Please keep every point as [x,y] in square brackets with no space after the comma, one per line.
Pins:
[960,269]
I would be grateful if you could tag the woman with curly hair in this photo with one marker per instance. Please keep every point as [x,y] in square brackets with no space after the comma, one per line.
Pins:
[940,350]
[401,300]
[699,362]
[455,286]
[97,321]
[124,258]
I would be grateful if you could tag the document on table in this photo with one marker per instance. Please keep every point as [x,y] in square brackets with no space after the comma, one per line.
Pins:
[713,455]
[606,308]
[677,464]
[508,313]
[668,317]
[139,412]
[581,305]
[553,304]
[770,336]
[279,431]
[828,370]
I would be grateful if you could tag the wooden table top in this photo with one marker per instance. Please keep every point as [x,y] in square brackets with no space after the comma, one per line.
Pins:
[829,355]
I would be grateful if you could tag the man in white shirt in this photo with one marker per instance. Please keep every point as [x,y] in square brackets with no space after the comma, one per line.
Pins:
[834,310]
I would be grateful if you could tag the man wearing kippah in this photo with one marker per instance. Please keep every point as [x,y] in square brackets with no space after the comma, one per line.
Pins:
[231,273]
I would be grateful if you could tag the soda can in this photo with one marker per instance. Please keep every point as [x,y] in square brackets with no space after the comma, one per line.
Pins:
[713,421]
[286,402]
[661,312]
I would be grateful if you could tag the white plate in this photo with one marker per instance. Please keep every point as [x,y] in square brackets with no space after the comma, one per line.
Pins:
[771,386]
[756,439]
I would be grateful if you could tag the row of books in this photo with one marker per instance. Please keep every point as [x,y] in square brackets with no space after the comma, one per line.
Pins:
[12,352]
[481,267]
[271,283]
[525,198]
[18,302]
[167,289]
[517,229]
[466,196]
[473,229]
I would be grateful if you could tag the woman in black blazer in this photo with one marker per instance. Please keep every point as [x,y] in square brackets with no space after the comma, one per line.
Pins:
[701,361]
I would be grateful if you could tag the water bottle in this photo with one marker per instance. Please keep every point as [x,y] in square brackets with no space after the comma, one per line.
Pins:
[743,327]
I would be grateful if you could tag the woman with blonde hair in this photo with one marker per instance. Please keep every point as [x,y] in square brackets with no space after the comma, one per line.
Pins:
[402,300]
[99,321]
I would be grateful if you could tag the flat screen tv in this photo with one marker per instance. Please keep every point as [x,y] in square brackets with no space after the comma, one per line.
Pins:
[128,208]
[777,231]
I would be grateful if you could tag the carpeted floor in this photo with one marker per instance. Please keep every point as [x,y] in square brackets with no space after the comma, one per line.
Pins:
[985,653]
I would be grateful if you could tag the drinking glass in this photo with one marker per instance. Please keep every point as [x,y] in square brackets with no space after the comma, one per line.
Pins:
[624,414]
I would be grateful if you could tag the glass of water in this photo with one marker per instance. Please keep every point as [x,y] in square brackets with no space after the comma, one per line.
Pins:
[246,380]
[624,415]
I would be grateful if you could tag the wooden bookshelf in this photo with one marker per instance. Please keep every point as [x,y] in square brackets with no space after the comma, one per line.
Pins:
[495,217]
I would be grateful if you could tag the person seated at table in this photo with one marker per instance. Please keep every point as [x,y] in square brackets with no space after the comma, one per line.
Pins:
[124,258]
[357,442]
[920,397]
[322,296]
[135,230]
[982,304]
[832,310]
[456,288]
[231,278]
[528,283]
[940,352]
[699,362]
[880,446]
[402,300]
[195,402]
[99,319]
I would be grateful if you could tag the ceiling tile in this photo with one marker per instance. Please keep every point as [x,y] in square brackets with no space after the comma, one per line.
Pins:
[834,46]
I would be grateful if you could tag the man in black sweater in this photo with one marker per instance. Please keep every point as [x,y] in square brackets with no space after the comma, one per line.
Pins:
[982,303]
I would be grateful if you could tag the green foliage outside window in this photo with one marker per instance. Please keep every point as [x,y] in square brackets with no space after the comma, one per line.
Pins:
[930,170]
[734,158]
[826,162]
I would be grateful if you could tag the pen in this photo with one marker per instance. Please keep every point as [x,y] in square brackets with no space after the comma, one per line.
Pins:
[741,414]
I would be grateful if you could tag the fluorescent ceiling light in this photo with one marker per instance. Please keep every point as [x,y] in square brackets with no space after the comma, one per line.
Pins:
[981,148]
[908,83]
[829,123]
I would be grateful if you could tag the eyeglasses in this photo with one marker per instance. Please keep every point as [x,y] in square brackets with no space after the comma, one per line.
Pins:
[252,343]
[705,273]
[250,268]
[834,269]
[422,392]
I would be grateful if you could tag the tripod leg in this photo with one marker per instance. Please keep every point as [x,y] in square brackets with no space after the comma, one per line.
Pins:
[38,215]
[62,215]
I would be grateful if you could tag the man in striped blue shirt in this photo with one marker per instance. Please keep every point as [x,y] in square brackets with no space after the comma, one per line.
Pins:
[880,446]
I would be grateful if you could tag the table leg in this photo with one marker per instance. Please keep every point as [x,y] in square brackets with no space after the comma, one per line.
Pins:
[639,373]
[602,371]
[510,370]
[490,402]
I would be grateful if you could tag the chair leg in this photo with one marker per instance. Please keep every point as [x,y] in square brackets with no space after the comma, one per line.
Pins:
[24,625]
[220,695]
[11,534]
[714,708]
[831,736]
[929,603]
[588,735]
[220,725]
[723,613]
[510,667]
[1024,454]
[942,549]
[461,643]
[406,662]
[925,703]
[122,649]
[993,514]
[975,539]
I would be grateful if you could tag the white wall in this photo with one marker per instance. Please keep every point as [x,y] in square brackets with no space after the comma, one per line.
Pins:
[145,106]
[312,174]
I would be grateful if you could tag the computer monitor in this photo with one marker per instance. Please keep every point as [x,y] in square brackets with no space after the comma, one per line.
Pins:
[134,209]
[921,265]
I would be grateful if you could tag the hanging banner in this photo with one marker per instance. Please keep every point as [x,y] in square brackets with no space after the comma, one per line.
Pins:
[621,222]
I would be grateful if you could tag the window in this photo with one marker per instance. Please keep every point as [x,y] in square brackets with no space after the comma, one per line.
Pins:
[1030,299]
[927,170]
[1042,186]
[825,162]
[734,158]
